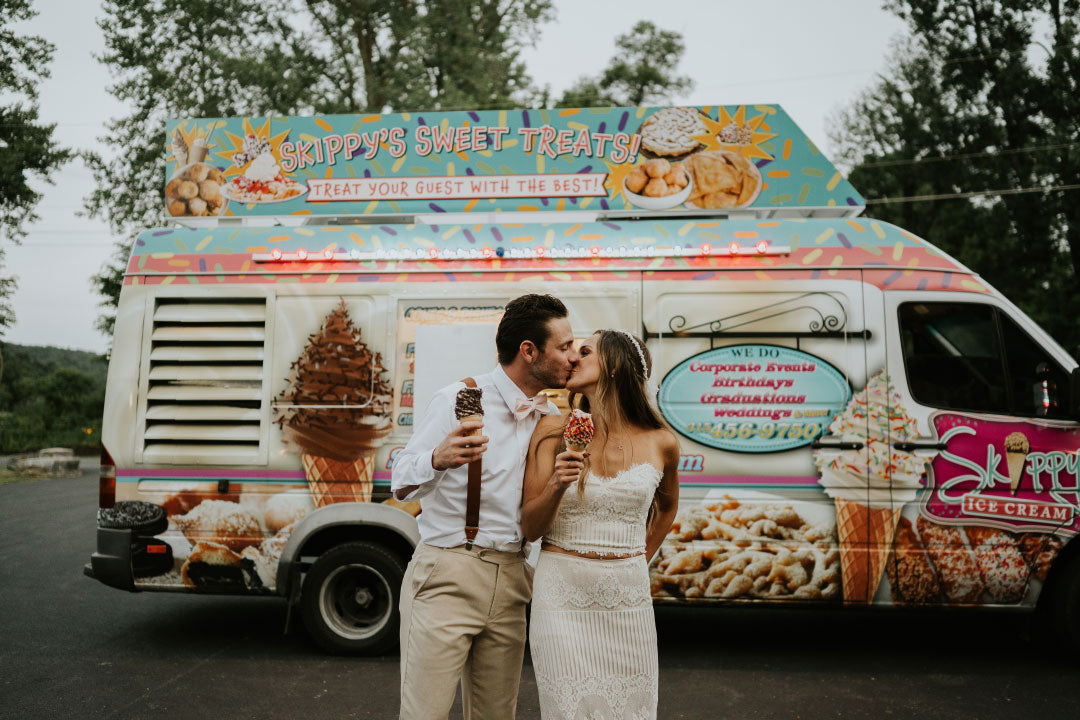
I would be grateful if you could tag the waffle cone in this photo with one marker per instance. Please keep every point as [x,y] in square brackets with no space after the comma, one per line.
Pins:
[477,417]
[334,481]
[576,447]
[866,535]
[1016,462]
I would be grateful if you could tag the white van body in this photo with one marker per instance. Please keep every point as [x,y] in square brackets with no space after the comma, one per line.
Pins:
[210,325]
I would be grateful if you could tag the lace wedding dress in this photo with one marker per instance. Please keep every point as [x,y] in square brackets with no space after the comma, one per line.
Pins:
[592,633]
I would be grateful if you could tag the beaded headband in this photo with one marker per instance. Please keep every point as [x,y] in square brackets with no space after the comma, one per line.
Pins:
[641,355]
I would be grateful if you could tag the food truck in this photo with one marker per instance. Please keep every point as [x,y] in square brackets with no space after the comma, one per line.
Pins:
[862,419]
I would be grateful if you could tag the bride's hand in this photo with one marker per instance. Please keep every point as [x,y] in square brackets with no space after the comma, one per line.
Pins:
[568,467]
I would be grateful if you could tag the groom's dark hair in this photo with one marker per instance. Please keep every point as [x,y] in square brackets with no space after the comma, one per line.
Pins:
[526,318]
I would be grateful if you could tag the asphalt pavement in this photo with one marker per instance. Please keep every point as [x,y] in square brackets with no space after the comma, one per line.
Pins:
[71,647]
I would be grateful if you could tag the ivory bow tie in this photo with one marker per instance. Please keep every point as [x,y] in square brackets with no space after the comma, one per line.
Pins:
[527,406]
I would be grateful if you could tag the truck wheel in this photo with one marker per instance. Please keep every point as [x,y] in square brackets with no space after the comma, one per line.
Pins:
[349,599]
[1063,609]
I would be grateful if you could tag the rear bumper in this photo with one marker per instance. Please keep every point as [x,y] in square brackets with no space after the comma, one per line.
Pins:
[111,562]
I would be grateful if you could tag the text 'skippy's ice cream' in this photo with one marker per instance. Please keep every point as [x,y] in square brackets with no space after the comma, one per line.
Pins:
[336,411]
[871,484]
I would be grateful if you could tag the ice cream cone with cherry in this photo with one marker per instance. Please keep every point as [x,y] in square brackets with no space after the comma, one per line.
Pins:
[335,413]
[870,485]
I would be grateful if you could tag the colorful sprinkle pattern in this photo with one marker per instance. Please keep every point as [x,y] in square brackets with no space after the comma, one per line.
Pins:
[891,258]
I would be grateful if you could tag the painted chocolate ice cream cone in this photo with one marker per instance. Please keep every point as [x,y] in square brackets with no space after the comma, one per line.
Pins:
[871,485]
[1017,448]
[335,413]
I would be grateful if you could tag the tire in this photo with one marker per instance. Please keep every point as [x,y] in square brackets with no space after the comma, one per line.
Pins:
[349,600]
[142,518]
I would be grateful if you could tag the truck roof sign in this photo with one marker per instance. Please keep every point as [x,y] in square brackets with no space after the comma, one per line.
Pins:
[749,160]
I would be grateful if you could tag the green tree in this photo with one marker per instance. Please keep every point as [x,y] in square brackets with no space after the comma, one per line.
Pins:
[983,97]
[219,58]
[50,396]
[176,58]
[641,73]
[394,56]
[28,150]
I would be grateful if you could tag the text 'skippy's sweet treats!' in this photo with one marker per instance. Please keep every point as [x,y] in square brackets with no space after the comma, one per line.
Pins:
[335,413]
[871,484]
[468,406]
[578,432]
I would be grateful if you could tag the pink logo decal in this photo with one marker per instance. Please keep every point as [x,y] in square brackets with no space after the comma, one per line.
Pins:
[1006,474]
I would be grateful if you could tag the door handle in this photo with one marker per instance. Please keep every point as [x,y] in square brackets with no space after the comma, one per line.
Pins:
[909,446]
[838,445]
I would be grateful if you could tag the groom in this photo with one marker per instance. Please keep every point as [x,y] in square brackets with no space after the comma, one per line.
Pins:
[463,604]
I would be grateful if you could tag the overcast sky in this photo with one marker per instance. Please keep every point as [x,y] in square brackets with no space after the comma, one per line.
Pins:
[810,57]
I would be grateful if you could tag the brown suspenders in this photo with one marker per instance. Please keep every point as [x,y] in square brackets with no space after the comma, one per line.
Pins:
[472,500]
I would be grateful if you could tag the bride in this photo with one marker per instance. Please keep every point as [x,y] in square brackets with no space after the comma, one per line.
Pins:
[592,632]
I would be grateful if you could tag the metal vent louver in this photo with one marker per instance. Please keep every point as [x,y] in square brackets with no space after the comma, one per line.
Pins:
[205,374]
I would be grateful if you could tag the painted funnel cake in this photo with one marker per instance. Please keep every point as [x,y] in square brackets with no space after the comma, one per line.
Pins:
[335,413]
[870,485]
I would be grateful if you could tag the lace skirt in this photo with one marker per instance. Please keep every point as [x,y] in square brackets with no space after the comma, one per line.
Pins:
[593,638]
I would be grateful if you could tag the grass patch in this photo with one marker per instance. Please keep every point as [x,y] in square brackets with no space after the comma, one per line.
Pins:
[12,476]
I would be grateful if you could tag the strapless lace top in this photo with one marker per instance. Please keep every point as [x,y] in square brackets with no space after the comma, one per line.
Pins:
[612,518]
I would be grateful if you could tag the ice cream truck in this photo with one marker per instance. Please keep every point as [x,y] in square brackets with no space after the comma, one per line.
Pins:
[863,420]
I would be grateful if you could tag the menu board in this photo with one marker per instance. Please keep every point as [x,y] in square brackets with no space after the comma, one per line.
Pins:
[646,159]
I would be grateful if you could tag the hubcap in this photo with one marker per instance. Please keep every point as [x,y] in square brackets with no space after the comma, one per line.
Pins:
[355,601]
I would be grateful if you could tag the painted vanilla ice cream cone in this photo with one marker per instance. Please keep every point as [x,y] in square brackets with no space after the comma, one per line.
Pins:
[468,406]
[179,148]
[1017,448]
[335,413]
[870,486]
[578,432]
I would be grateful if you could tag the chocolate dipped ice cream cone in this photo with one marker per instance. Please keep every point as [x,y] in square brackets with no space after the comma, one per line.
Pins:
[468,407]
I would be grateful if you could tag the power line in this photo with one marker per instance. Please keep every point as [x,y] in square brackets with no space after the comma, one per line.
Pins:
[976,193]
[959,156]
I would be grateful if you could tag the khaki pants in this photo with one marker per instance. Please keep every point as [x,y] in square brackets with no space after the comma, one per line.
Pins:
[463,618]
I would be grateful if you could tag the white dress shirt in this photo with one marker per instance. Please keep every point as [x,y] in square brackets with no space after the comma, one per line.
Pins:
[442,493]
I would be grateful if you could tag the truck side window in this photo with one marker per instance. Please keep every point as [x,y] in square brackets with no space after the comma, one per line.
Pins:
[1038,384]
[952,355]
[969,356]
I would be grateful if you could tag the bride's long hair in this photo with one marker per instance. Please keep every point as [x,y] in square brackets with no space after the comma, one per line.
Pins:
[621,397]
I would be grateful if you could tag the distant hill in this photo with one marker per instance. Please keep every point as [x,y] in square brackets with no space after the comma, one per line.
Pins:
[50,396]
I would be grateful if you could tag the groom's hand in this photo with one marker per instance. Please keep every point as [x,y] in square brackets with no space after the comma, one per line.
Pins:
[568,467]
[459,448]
